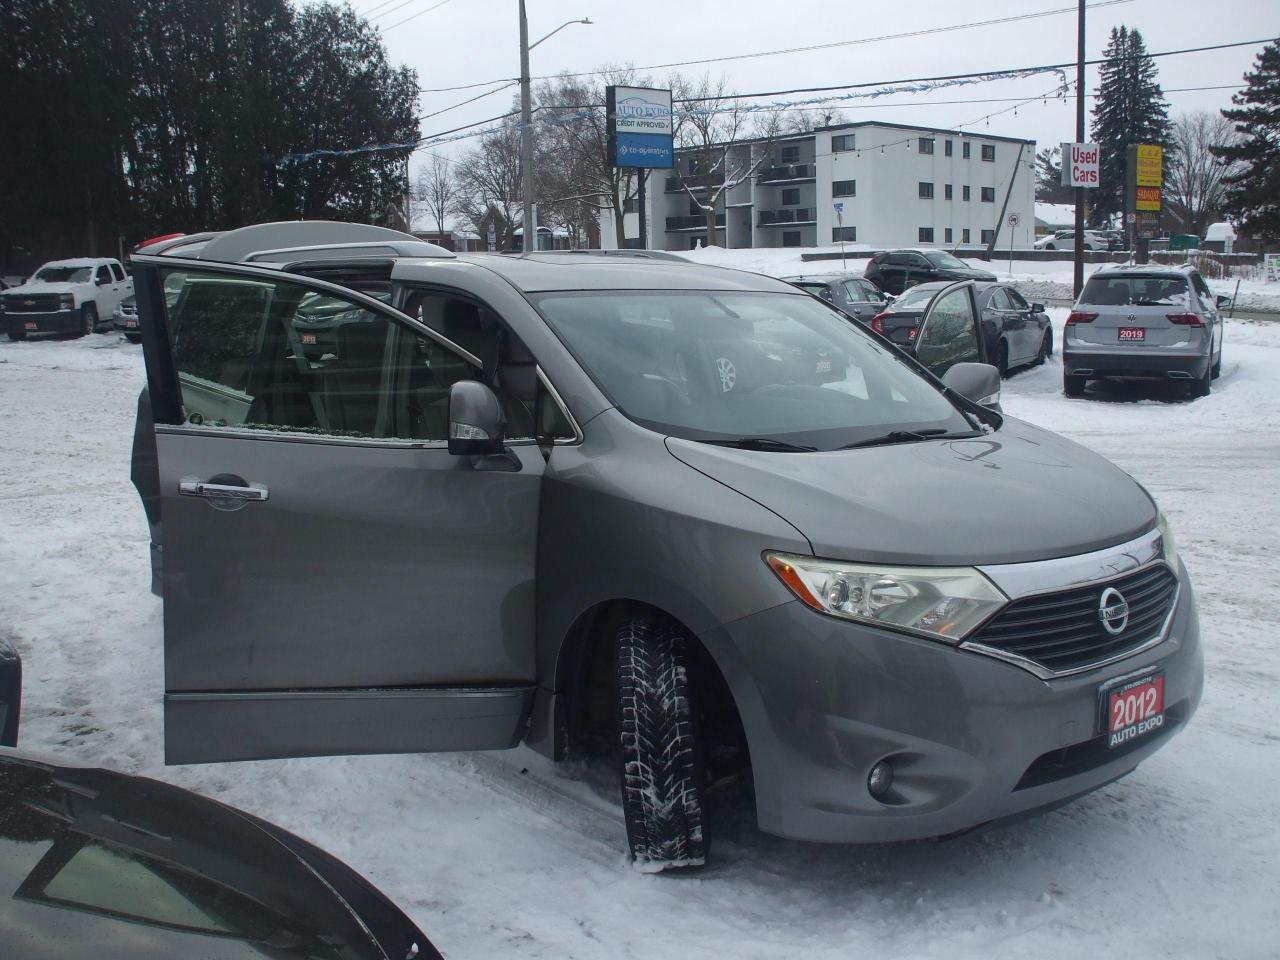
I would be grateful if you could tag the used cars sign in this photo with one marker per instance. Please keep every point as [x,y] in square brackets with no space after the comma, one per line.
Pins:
[1079,164]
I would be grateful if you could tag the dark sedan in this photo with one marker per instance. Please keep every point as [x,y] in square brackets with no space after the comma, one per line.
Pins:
[99,864]
[893,271]
[854,296]
[1014,332]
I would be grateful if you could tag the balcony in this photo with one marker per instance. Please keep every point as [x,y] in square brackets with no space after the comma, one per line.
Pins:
[787,173]
[790,215]
[693,182]
[698,222]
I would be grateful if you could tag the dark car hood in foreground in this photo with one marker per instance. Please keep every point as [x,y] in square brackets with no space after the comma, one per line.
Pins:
[1020,494]
[103,865]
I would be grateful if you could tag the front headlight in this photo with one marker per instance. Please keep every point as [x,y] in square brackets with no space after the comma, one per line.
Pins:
[1169,548]
[67,301]
[945,603]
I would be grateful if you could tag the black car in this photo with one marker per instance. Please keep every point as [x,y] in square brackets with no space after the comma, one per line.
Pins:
[895,270]
[10,693]
[1014,332]
[853,295]
[104,865]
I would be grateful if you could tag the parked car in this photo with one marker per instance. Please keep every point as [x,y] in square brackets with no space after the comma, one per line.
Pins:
[1144,322]
[96,863]
[1066,240]
[125,319]
[851,294]
[66,296]
[1014,332]
[10,693]
[525,503]
[893,271]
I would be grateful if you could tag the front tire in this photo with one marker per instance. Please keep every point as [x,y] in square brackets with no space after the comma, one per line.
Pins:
[17,335]
[663,782]
[88,320]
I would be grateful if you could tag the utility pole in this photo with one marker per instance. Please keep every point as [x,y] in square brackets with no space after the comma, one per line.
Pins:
[526,137]
[1078,267]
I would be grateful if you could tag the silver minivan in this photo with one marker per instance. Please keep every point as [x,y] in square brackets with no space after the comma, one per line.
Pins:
[1146,322]
[686,517]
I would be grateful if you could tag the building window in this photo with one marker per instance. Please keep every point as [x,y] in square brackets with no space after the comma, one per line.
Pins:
[988,236]
[964,149]
[842,143]
[988,194]
[989,152]
[791,197]
[946,235]
[964,235]
[791,238]
[926,190]
[948,147]
[926,144]
[946,192]
[844,188]
[631,205]
[848,234]
[791,154]
[926,234]
[964,192]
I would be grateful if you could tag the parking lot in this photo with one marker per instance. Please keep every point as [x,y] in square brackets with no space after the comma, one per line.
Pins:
[504,854]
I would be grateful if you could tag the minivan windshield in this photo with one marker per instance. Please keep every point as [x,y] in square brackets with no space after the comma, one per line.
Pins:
[732,367]
[63,274]
[1159,290]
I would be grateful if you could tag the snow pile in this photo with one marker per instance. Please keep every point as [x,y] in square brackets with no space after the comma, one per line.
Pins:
[506,855]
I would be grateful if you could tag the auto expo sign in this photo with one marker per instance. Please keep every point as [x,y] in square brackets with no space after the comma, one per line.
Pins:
[1079,164]
[639,127]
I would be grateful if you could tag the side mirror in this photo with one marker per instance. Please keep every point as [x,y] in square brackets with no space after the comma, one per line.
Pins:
[1037,308]
[1223,301]
[979,382]
[477,424]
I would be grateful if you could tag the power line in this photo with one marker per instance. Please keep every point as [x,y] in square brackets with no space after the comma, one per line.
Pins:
[390,10]
[415,16]
[455,106]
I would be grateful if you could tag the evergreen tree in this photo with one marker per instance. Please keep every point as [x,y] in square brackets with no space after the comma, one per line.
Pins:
[1049,188]
[1253,193]
[1130,109]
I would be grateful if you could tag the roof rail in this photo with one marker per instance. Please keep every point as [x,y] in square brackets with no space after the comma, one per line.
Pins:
[235,246]
[384,249]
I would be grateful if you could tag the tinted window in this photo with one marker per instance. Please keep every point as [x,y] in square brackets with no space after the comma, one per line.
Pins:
[274,355]
[949,335]
[103,275]
[1016,302]
[998,300]
[705,365]
[1137,291]
[117,271]
[63,274]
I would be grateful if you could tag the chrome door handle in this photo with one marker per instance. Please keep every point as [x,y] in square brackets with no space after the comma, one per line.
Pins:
[220,491]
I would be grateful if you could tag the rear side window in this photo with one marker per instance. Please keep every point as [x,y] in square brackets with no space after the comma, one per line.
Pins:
[118,271]
[275,355]
[1136,291]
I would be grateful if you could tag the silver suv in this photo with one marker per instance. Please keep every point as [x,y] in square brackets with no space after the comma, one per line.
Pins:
[1144,322]
[683,516]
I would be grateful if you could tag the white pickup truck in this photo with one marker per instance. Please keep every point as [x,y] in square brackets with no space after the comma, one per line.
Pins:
[65,296]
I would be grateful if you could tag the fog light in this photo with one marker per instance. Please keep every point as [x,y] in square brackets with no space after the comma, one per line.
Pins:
[880,779]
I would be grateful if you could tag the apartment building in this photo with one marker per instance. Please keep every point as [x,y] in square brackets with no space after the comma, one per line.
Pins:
[878,184]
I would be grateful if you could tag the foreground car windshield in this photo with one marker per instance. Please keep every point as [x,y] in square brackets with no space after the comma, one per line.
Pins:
[729,366]
[63,274]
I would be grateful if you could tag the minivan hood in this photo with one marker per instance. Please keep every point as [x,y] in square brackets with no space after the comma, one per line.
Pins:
[1017,495]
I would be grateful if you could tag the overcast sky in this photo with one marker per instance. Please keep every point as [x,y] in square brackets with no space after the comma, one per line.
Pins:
[467,41]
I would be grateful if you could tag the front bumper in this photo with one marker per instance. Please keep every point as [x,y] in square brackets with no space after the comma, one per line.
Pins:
[973,739]
[51,321]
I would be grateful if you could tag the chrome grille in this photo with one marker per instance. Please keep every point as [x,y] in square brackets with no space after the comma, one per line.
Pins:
[30,303]
[1063,631]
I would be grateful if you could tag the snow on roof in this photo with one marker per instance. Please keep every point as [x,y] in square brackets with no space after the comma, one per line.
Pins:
[1056,214]
[1220,231]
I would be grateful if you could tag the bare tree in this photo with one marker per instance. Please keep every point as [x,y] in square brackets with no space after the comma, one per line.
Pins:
[807,121]
[725,143]
[1195,189]
[437,190]
[488,183]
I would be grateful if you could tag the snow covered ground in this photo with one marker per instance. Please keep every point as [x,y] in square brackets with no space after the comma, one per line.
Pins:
[1037,279]
[505,855]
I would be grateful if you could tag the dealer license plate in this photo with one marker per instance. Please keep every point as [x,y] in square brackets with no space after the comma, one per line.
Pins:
[308,338]
[1132,334]
[1133,709]
[31,326]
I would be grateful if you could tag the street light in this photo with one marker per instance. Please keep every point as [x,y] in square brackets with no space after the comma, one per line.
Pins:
[526,124]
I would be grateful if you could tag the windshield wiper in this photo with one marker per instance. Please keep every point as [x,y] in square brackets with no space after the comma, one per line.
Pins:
[902,436]
[762,443]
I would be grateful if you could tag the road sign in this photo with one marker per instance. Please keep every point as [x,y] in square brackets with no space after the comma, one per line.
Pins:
[839,206]
[1013,220]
